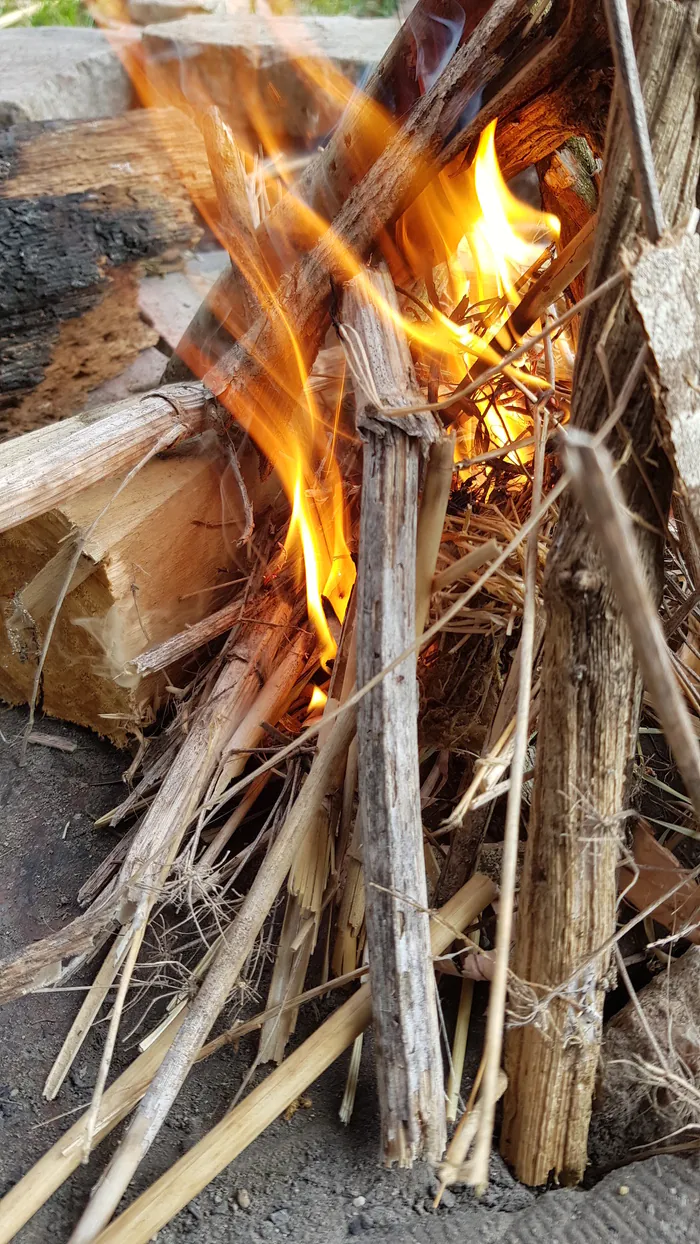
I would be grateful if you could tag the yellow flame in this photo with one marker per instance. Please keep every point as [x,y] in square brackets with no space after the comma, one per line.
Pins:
[466,225]
[318,701]
[499,237]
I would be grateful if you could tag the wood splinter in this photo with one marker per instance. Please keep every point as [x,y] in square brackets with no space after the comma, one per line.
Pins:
[409,1064]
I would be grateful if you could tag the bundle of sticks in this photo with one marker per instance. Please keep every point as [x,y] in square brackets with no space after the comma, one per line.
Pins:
[452,653]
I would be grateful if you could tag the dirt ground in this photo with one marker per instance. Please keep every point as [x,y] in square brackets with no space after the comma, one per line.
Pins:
[308,1179]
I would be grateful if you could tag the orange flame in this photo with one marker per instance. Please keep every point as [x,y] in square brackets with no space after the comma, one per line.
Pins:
[466,233]
[318,701]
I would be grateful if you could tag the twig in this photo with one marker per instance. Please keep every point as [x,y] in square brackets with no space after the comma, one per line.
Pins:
[225,1141]
[234,950]
[492,1089]
[627,81]
[459,1045]
[431,520]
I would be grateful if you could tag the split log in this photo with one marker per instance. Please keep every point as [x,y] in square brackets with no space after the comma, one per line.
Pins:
[45,468]
[409,1064]
[367,143]
[591,687]
[34,1189]
[85,208]
[144,573]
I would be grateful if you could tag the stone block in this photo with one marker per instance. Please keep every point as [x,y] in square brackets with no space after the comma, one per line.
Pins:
[56,73]
[269,76]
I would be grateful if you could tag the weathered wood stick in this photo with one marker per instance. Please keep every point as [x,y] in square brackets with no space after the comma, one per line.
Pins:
[409,1064]
[43,468]
[169,815]
[160,656]
[35,1188]
[266,1102]
[593,476]
[403,165]
[590,684]
[326,773]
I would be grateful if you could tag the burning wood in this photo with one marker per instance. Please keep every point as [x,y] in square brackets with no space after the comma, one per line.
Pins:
[453,301]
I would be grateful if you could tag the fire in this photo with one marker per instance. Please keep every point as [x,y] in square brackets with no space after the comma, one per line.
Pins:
[318,701]
[466,237]
[499,237]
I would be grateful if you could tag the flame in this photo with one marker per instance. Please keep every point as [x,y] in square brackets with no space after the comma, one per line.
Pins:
[318,701]
[465,236]
[499,236]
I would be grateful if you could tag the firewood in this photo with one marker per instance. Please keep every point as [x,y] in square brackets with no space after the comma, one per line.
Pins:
[569,187]
[265,1103]
[146,572]
[45,468]
[34,1189]
[409,1066]
[84,207]
[591,687]
[362,170]
[325,775]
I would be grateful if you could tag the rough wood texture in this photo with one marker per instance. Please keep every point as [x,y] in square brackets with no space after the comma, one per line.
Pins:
[45,468]
[591,688]
[34,1189]
[409,1065]
[368,145]
[84,206]
[145,572]
[672,327]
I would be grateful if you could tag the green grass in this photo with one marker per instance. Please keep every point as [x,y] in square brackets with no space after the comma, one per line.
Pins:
[52,13]
[74,12]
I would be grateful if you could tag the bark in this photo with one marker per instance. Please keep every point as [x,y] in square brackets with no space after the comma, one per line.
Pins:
[590,684]
[409,1065]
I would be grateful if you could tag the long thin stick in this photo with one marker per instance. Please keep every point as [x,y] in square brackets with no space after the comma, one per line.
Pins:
[239,1128]
[630,88]
[504,927]
[593,476]
[235,948]
[410,1082]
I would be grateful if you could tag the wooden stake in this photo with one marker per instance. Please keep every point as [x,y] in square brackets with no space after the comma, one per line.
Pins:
[409,1064]
[241,1125]
[590,684]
